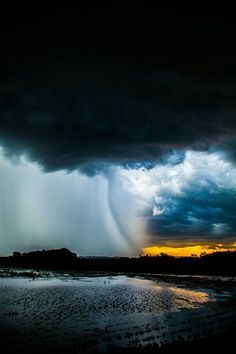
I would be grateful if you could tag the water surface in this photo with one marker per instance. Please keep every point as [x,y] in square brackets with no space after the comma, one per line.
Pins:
[96,312]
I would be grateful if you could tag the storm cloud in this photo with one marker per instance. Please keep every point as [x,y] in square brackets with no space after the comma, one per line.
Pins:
[137,116]
[68,102]
[193,201]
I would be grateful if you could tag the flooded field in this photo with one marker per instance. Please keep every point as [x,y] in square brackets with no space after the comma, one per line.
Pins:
[94,314]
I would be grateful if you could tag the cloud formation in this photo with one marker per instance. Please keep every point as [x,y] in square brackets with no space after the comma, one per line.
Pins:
[154,114]
[70,103]
[193,201]
[92,216]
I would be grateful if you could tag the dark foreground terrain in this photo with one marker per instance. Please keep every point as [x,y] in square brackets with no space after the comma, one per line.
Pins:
[223,342]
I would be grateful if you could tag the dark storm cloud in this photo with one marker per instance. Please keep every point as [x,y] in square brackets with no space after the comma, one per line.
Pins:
[196,201]
[62,125]
[188,217]
[67,102]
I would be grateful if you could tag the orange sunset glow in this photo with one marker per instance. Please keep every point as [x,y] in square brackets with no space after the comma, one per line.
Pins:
[186,251]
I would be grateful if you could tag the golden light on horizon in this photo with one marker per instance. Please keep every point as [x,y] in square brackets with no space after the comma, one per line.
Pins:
[186,251]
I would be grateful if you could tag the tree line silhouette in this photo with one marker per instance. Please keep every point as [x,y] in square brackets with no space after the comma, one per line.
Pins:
[217,263]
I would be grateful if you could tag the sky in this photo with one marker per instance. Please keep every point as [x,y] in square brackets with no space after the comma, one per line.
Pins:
[118,137]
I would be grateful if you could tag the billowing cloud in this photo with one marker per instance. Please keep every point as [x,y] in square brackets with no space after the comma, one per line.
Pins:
[139,133]
[121,211]
[192,201]
[157,211]
[84,104]
[65,126]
